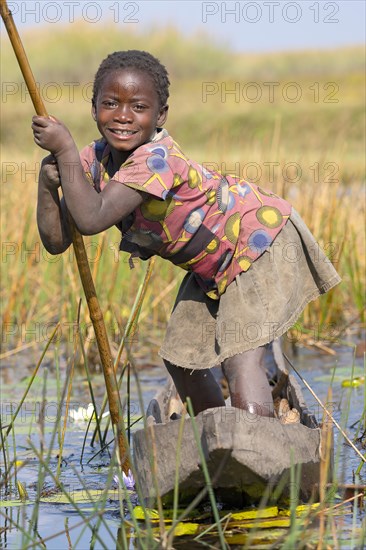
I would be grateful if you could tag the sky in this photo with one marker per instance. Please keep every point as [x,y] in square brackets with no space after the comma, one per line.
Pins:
[248,26]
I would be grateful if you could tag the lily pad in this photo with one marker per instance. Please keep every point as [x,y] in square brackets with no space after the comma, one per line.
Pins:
[82,496]
[14,503]
[269,523]
[23,429]
[301,510]
[153,515]
[270,512]
[341,374]
[186,529]
[353,382]
[139,513]
[265,536]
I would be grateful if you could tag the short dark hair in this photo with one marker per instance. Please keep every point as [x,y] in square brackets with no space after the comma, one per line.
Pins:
[140,60]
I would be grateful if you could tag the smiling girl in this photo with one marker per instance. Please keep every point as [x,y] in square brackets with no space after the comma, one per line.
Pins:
[252,263]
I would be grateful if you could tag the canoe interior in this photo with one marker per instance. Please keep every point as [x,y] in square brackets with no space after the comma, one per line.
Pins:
[248,457]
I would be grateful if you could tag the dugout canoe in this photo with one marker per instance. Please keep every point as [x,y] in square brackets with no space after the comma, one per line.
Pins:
[247,455]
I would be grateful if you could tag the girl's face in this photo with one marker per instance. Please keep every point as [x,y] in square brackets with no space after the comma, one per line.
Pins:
[127,110]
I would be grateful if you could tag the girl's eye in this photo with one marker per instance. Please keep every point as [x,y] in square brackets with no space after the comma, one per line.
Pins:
[139,107]
[109,104]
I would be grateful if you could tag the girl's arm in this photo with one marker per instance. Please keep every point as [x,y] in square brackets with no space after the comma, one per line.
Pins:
[92,212]
[51,211]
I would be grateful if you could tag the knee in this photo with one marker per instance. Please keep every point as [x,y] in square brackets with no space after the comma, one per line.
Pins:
[245,362]
[187,379]
[177,373]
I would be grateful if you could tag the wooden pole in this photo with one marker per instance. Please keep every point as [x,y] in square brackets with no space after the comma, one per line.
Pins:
[96,315]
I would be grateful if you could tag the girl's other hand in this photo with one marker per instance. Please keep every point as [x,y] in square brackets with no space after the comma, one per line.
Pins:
[49,174]
[51,134]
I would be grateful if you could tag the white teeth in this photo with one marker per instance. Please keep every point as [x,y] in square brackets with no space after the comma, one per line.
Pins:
[123,132]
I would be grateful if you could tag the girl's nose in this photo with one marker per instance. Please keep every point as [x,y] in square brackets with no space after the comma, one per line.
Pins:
[123,114]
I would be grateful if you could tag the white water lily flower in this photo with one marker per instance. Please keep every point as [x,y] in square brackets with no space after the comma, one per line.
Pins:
[83,414]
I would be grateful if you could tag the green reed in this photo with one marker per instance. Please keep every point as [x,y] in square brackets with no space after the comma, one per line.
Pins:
[207,476]
[295,527]
[146,536]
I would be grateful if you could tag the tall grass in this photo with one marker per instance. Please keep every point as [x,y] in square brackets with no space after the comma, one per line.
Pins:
[310,151]
[268,527]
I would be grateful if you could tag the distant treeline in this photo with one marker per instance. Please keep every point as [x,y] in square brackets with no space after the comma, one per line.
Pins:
[73,52]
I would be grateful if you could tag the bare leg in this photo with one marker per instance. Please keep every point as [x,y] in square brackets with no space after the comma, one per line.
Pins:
[248,384]
[199,385]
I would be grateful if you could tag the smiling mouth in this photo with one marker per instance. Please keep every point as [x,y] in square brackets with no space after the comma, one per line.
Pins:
[122,132]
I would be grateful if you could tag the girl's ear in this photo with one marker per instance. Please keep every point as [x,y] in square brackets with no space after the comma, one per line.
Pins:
[163,115]
[94,111]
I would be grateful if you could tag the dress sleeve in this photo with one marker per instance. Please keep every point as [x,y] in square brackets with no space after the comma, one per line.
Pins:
[87,157]
[148,169]
[90,165]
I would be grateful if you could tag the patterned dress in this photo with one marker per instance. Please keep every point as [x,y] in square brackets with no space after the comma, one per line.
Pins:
[212,225]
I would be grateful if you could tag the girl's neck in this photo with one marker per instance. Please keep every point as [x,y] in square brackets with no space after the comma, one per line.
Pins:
[116,159]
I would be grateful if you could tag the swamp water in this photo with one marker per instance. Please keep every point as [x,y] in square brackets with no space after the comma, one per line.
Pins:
[22,526]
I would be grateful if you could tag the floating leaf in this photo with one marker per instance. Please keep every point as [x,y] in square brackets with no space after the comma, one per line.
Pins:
[12,503]
[301,510]
[269,523]
[37,381]
[139,513]
[153,515]
[341,373]
[270,512]
[268,536]
[353,382]
[185,529]
[93,495]
[23,429]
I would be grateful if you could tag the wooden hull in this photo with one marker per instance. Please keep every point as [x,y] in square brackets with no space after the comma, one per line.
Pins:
[247,455]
